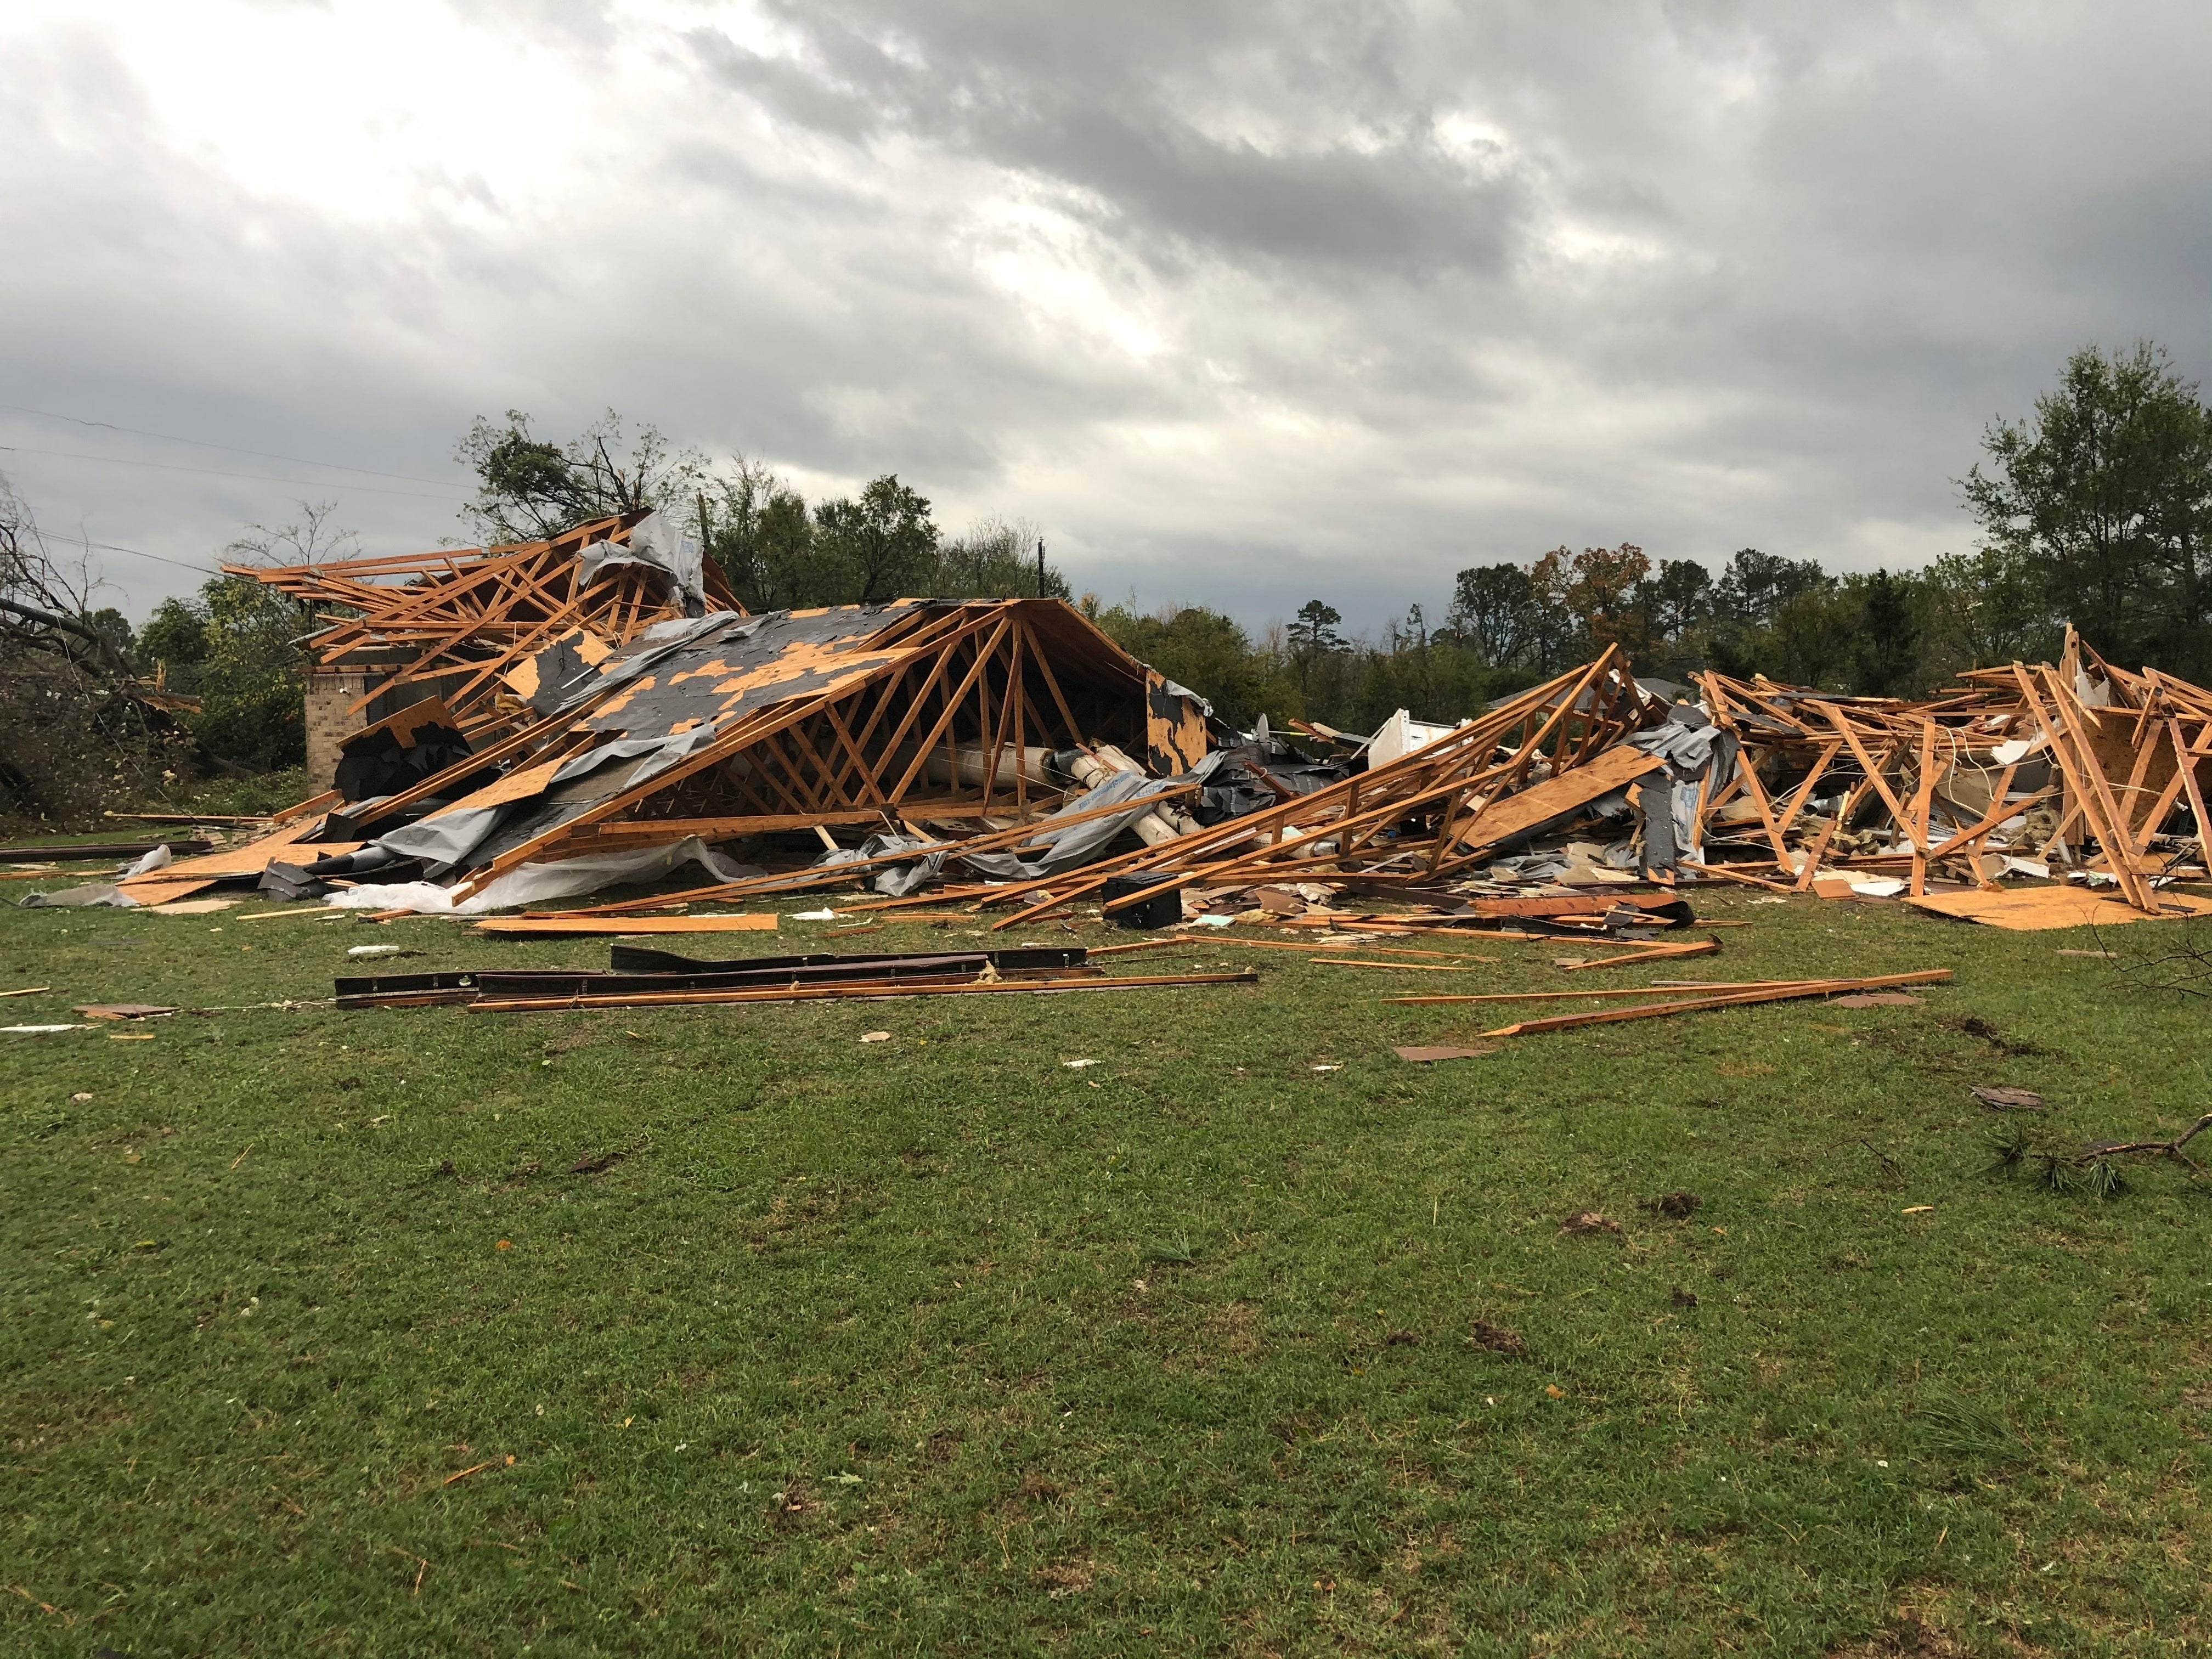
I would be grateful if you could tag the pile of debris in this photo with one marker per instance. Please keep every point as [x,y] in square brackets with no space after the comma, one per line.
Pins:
[603,712]
[2078,769]
[456,624]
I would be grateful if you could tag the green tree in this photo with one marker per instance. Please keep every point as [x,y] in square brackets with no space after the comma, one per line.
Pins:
[1601,583]
[997,560]
[1985,609]
[1313,636]
[878,547]
[175,635]
[1437,675]
[1812,638]
[115,626]
[1554,638]
[757,528]
[1315,628]
[528,488]
[1677,599]
[251,672]
[1206,651]
[1755,586]
[2104,497]
[1494,610]
[1885,655]
[251,683]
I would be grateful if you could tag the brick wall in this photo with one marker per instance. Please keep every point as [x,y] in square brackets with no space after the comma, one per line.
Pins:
[330,693]
[333,692]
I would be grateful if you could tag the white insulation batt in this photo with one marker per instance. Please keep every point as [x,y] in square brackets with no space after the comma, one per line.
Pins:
[536,883]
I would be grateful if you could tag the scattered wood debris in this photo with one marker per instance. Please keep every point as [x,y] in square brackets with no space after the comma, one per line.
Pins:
[642,978]
[596,709]
[1778,991]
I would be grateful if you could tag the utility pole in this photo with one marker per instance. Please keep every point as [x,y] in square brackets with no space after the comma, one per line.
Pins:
[1040,566]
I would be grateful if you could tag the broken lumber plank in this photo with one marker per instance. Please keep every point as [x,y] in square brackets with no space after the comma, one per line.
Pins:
[1728,872]
[758,922]
[1540,803]
[1611,991]
[1402,967]
[1703,947]
[1731,999]
[102,851]
[1147,945]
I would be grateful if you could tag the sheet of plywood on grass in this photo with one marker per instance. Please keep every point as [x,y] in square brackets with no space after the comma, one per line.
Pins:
[2038,910]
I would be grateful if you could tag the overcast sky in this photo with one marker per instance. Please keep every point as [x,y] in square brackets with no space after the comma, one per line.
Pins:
[1244,303]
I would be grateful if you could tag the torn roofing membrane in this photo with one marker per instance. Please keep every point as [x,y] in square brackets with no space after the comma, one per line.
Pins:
[724,664]
[678,685]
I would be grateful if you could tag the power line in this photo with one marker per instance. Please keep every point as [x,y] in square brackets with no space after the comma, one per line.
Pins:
[255,478]
[136,553]
[201,443]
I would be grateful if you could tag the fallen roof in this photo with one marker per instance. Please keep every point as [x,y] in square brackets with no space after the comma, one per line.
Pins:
[478,611]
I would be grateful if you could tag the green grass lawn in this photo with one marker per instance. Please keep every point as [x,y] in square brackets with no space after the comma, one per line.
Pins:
[940,1345]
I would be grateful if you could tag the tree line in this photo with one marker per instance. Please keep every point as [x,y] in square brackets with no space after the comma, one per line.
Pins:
[2093,509]
[2096,509]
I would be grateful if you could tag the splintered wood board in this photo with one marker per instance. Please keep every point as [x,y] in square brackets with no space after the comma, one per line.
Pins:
[763,923]
[2038,910]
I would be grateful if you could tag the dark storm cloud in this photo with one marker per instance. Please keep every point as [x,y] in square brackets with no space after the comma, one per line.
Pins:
[1243,303]
[1105,104]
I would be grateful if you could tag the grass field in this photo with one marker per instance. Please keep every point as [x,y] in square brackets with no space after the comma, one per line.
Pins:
[940,1345]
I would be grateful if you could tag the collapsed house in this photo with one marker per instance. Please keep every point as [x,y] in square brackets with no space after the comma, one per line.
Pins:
[547,721]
